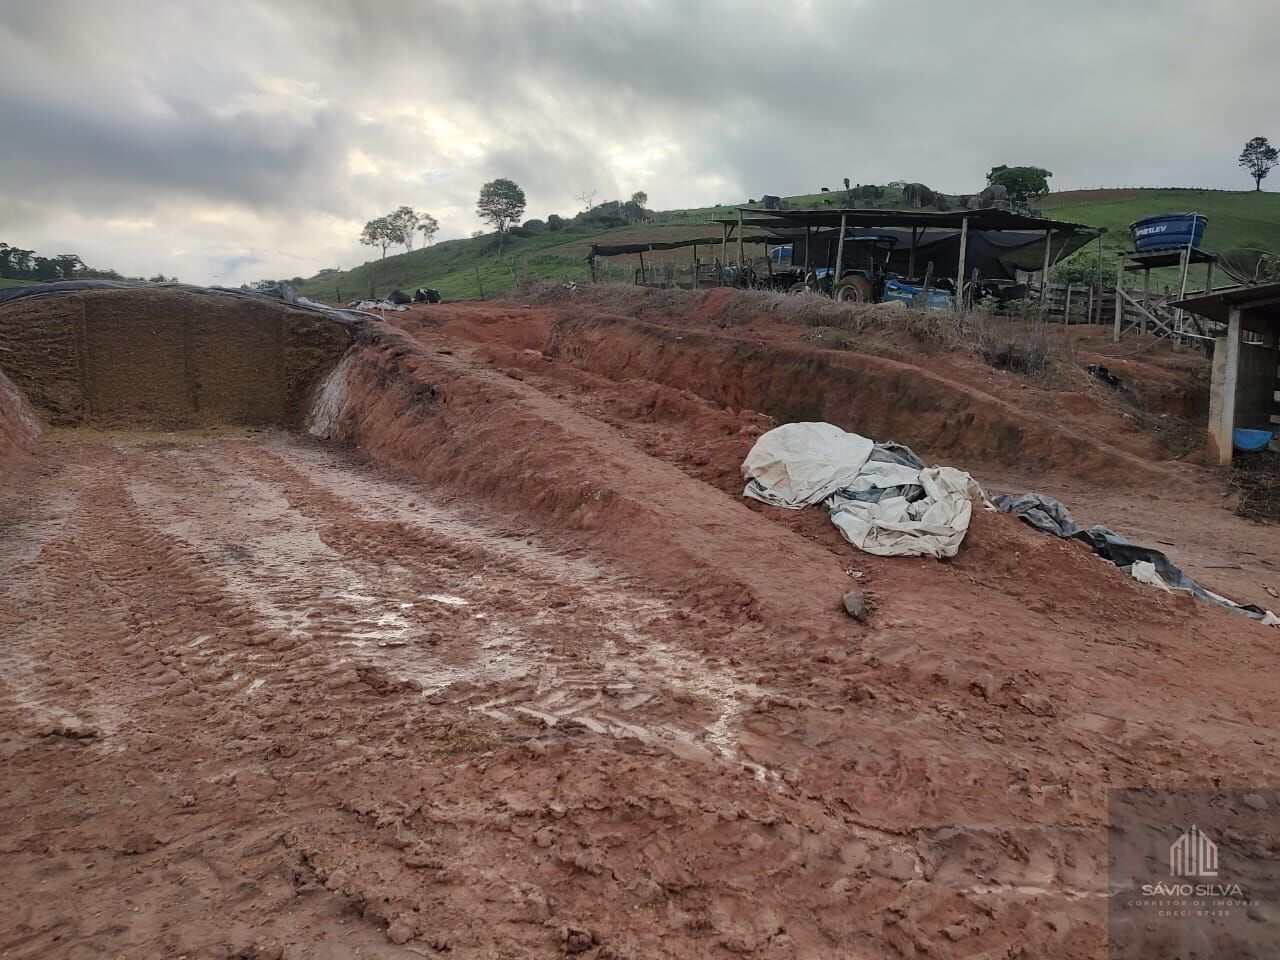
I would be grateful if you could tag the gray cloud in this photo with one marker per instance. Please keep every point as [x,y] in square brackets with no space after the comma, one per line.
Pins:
[251,138]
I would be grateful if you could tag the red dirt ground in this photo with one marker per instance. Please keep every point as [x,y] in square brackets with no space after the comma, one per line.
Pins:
[497,661]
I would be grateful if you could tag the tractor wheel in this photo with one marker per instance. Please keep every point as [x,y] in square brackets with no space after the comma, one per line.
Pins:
[799,289]
[854,290]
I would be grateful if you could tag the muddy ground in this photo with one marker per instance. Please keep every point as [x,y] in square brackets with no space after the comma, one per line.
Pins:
[493,660]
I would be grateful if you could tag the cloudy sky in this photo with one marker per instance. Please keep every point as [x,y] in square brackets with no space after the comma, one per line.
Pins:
[232,141]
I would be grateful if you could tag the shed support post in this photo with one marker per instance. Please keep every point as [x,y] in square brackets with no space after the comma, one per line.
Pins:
[1184,264]
[1222,390]
[724,250]
[1044,274]
[694,283]
[1115,334]
[741,255]
[1208,277]
[964,242]
[911,259]
[808,257]
[835,281]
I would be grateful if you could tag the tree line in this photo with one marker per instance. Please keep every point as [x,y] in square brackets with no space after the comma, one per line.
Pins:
[19,263]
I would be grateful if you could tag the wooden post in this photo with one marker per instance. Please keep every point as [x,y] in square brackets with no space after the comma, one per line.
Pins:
[911,258]
[1184,264]
[643,277]
[1208,277]
[928,281]
[724,249]
[741,255]
[1146,298]
[1066,306]
[1115,334]
[480,283]
[1222,390]
[964,242]
[694,284]
[808,258]
[1044,275]
[1088,310]
[835,281]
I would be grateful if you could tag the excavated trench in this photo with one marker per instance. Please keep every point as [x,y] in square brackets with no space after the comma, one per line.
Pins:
[166,359]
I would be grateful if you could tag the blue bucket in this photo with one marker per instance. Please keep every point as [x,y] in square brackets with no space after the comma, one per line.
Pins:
[1248,440]
[1167,230]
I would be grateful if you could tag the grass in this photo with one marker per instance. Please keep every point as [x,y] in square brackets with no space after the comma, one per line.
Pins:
[469,269]
[14,283]
[1236,219]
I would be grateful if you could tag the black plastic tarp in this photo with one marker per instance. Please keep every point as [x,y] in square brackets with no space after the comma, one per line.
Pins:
[1050,516]
[64,287]
[996,254]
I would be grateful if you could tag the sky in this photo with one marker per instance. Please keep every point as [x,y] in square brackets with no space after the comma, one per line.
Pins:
[247,139]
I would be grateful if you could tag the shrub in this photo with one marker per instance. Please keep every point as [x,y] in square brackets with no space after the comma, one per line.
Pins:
[1018,346]
[555,222]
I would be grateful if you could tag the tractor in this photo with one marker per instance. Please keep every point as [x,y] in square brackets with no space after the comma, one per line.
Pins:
[862,272]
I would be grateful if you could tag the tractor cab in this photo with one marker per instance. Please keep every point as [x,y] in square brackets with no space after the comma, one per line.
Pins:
[863,269]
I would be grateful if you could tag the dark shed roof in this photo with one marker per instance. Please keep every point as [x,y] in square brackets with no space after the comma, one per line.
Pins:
[989,219]
[1216,306]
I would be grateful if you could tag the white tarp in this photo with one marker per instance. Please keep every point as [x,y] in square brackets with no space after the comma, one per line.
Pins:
[799,464]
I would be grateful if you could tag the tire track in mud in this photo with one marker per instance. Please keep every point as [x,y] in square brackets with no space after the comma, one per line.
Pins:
[124,655]
[517,608]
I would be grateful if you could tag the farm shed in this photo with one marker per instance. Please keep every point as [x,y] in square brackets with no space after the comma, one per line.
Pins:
[996,243]
[1246,362]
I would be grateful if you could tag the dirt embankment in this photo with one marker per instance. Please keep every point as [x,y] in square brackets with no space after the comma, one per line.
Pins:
[872,395]
[18,428]
[483,432]
[166,358]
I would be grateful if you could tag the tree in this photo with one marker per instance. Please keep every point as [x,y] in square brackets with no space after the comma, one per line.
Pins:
[406,220]
[846,183]
[68,264]
[587,198]
[382,232]
[501,202]
[1258,157]
[1023,183]
[428,226]
[640,199]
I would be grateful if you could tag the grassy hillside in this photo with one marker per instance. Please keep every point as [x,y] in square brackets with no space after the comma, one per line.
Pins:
[14,283]
[1236,220]
[468,269]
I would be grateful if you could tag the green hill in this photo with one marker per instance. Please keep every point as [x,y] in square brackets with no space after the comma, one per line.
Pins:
[5,282]
[1236,219]
[471,268]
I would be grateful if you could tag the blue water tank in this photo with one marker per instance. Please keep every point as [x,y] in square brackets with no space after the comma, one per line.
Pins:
[1167,230]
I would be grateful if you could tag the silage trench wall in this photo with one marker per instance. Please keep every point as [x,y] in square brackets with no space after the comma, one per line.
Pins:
[19,428]
[167,358]
[874,396]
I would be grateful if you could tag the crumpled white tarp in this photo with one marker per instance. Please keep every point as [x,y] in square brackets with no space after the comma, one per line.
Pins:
[799,464]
